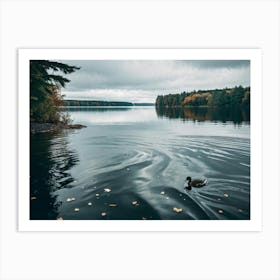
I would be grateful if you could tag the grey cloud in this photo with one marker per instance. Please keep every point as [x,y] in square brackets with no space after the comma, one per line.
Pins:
[214,64]
[166,76]
[121,74]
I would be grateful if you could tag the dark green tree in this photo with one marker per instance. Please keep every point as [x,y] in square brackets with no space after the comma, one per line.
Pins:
[46,80]
[237,96]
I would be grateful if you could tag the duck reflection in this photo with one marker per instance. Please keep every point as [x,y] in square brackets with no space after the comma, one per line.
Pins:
[50,162]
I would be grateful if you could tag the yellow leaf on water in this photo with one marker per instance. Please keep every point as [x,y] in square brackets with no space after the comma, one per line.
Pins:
[177,210]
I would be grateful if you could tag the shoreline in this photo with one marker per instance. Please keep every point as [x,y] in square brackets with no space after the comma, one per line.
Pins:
[52,127]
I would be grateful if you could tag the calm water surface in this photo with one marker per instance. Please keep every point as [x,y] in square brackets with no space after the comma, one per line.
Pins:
[142,156]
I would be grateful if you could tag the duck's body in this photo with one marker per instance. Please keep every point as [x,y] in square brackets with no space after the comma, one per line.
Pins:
[196,183]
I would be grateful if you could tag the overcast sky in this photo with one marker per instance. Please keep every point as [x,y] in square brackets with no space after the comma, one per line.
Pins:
[142,81]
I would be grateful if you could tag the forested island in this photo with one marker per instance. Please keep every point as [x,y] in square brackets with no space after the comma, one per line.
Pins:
[237,96]
[69,102]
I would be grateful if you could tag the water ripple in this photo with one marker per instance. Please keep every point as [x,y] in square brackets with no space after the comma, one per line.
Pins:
[143,164]
[136,169]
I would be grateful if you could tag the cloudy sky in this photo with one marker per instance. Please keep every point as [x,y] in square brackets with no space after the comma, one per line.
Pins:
[142,81]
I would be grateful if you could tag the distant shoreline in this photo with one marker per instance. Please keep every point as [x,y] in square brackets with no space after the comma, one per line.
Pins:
[94,103]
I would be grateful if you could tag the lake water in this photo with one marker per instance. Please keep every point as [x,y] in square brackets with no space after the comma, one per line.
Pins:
[131,163]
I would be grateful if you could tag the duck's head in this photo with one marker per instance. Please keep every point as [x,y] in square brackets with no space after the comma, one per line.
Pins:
[188,179]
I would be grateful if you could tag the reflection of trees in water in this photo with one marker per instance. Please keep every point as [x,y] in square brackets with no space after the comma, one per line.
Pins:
[235,114]
[50,162]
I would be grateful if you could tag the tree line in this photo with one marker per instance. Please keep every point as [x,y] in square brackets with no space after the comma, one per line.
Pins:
[70,102]
[217,97]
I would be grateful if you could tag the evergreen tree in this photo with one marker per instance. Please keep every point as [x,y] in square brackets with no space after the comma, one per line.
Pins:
[45,97]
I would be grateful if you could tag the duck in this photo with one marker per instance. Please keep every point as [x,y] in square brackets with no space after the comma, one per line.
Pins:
[196,183]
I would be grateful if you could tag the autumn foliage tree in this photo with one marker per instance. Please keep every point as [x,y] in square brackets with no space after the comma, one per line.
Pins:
[46,82]
[237,96]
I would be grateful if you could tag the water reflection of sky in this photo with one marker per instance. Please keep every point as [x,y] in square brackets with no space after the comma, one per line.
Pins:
[141,117]
[115,115]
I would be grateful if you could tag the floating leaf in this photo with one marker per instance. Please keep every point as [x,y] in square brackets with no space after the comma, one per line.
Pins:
[69,199]
[89,204]
[33,197]
[226,195]
[162,193]
[107,190]
[220,211]
[177,210]
[77,209]
[113,205]
[135,203]
[103,214]
[97,194]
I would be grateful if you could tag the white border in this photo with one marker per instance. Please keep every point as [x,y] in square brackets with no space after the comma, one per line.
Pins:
[254,55]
